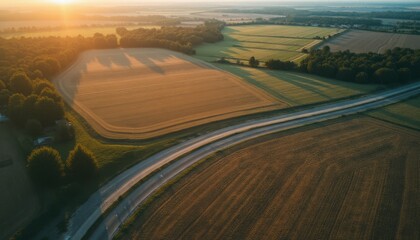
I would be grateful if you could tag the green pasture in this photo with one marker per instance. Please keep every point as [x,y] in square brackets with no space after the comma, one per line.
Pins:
[263,42]
[112,156]
[283,31]
[406,113]
[297,88]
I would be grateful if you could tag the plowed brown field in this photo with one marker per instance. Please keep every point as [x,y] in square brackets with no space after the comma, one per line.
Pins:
[352,179]
[142,93]
[359,41]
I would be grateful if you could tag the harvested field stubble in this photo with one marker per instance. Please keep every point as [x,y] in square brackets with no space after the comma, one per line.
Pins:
[353,179]
[359,41]
[142,93]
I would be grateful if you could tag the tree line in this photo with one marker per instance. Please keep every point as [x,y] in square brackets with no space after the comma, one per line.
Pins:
[31,101]
[406,15]
[360,20]
[179,39]
[396,66]
[26,67]
[28,64]
[80,15]
[293,12]
[327,21]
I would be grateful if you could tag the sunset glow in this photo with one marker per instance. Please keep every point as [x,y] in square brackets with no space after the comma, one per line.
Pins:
[62,1]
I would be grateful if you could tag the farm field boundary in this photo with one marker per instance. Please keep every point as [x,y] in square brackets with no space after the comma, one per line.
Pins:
[360,41]
[264,42]
[292,172]
[143,93]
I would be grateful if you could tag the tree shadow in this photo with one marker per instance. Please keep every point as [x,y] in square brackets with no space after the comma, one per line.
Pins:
[119,59]
[69,81]
[147,60]
[229,30]
[303,82]
[250,78]
[308,80]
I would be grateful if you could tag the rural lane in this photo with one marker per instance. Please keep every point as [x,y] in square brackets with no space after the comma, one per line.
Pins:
[193,150]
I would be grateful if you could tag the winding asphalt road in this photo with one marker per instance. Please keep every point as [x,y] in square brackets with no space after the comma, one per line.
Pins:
[193,150]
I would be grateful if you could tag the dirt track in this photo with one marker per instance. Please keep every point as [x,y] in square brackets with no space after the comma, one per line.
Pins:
[143,93]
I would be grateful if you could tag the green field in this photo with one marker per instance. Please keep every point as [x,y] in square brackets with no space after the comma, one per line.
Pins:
[264,42]
[112,157]
[405,113]
[297,88]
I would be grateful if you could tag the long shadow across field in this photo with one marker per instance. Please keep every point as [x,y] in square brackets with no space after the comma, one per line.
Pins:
[147,61]
[239,71]
[318,89]
[315,87]
[119,58]
[109,60]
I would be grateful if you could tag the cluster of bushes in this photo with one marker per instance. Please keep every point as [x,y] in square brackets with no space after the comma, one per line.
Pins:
[32,102]
[253,62]
[280,65]
[48,169]
[179,39]
[396,66]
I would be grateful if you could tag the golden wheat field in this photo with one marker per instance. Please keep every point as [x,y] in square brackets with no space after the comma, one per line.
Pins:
[350,179]
[142,93]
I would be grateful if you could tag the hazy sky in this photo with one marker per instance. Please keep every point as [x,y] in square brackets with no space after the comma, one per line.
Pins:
[6,3]
[143,1]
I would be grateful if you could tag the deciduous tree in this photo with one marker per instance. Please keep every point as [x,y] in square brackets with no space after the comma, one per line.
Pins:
[2,85]
[4,97]
[33,127]
[48,111]
[46,167]
[386,76]
[362,77]
[253,62]
[15,108]
[20,83]
[81,163]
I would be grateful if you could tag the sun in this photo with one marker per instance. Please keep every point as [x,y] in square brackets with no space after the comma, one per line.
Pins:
[62,1]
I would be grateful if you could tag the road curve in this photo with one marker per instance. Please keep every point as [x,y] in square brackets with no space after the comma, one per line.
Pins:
[189,152]
[110,224]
